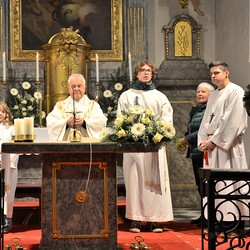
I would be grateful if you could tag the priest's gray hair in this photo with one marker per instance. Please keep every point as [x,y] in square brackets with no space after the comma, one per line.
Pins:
[76,75]
[206,85]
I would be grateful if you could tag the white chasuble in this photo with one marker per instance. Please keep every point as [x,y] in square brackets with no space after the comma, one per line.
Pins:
[87,109]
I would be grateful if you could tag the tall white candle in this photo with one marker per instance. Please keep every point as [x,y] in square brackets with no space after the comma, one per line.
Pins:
[97,67]
[130,67]
[4,67]
[37,67]
[18,127]
[28,125]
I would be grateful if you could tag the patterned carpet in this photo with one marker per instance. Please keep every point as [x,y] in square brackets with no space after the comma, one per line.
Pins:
[179,234]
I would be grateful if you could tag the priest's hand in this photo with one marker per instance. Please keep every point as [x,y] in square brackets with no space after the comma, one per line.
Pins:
[78,121]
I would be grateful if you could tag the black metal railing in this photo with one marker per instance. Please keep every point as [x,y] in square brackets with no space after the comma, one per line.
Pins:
[225,207]
[2,192]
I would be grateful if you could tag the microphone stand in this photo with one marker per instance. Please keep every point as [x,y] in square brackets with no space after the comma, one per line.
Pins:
[76,137]
[74,114]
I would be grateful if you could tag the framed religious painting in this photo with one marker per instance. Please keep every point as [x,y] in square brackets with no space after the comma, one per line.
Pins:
[1,29]
[33,23]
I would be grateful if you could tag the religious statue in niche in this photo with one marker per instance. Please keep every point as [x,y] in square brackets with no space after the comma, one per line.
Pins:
[184,5]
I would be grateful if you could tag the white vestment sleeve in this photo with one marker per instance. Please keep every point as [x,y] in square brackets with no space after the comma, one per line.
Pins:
[56,124]
[96,122]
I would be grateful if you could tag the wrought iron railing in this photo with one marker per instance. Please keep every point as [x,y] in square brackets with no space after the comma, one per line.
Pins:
[225,207]
[2,192]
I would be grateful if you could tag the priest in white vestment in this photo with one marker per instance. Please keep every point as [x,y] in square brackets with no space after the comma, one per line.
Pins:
[221,132]
[148,197]
[89,119]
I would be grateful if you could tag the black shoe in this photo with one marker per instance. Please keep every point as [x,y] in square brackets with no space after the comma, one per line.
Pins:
[135,227]
[196,221]
[6,228]
[154,227]
[204,223]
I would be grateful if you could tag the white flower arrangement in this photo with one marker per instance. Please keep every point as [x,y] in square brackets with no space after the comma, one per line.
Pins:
[24,102]
[138,125]
[109,98]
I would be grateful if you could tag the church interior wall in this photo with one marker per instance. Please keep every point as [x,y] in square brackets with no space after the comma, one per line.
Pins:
[160,13]
[232,44]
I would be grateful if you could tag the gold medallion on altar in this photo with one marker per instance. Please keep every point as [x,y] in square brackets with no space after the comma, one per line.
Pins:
[81,196]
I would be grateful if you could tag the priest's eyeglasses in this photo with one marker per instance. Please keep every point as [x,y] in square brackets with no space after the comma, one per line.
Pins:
[146,71]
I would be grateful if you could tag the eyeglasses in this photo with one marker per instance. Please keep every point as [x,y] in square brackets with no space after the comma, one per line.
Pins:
[145,70]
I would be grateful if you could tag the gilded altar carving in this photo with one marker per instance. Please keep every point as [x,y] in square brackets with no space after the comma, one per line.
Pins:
[64,54]
[183,39]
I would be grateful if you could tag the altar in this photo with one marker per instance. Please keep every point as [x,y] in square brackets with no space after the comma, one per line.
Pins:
[78,193]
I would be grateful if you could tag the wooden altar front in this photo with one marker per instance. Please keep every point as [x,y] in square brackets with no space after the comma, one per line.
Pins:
[78,193]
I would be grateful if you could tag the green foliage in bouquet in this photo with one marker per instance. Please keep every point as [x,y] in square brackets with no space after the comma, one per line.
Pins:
[23,101]
[138,125]
[109,98]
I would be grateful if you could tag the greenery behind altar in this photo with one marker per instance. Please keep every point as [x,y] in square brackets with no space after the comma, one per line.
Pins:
[25,100]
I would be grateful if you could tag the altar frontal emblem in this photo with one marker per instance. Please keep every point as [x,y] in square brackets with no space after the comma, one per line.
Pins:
[81,196]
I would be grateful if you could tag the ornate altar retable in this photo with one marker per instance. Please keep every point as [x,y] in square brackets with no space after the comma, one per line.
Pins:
[79,192]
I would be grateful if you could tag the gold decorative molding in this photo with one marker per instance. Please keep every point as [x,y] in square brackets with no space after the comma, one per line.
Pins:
[17,53]
[56,166]
[182,38]
[1,28]
[136,31]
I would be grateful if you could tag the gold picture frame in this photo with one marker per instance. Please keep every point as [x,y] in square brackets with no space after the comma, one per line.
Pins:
[1,27]
[19,53]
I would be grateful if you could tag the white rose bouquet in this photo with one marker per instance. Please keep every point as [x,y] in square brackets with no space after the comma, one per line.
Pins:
[138,125]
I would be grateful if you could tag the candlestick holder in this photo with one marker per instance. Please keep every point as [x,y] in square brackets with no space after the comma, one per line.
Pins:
[4,84]
[24,138]
[40,110]
[97,84]
[17,138]
[75,136]
[29,138]
[38,84]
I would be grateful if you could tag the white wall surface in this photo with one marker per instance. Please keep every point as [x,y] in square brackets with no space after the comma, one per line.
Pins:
[232,44]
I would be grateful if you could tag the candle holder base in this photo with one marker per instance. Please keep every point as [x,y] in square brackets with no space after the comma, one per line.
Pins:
[4,84]
[17,138]
[75,136]
[29,138]
[38,84]
[24,138]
